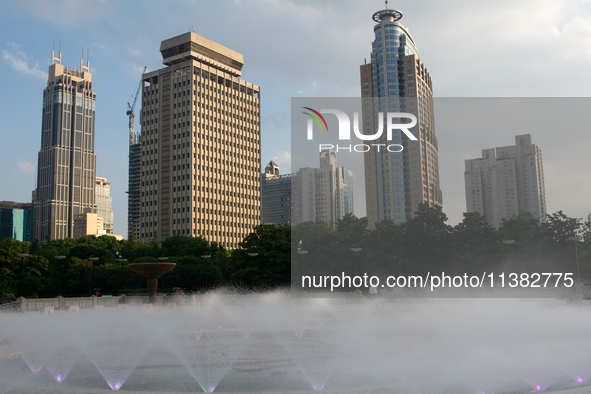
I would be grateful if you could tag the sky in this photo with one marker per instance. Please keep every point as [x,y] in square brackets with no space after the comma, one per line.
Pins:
[523,48]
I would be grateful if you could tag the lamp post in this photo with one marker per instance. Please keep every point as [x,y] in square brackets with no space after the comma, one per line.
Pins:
[253,255]
[22,256]
[355,250]
[92,260]
[121,279]
[509,242]
[60,258]
[576,238]
[205,257]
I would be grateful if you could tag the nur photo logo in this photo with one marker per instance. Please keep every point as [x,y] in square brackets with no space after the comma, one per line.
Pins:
[393,120]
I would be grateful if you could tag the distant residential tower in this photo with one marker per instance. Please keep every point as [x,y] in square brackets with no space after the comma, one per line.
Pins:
[324,193]
[507,181]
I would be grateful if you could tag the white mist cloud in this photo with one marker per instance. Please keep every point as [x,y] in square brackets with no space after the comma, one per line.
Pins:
[26,167]
[282,158]
[19,62]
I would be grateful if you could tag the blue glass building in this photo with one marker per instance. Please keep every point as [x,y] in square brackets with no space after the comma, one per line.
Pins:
[276,196]
[396,80]
[16,220]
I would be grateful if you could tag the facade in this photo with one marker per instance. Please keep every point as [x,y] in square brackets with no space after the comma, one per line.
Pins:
[507,181]
[397,81]
[88,224]
[17,220]
[91,224]
[324,193]
[276,196]
[67,162]
[104,203]
[200,145]
[133,186]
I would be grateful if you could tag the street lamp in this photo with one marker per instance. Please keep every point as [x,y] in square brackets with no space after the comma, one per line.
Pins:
[92,260]
[509,242]
[355,250]
[205,257]
[60,258]
[253,255]
[22,256]
[121,280]
[576,238]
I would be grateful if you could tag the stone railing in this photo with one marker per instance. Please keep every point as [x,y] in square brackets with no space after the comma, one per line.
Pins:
[77,303]
[40,304]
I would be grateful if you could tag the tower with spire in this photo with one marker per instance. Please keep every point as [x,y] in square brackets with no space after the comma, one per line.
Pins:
[396,80]
[66,162]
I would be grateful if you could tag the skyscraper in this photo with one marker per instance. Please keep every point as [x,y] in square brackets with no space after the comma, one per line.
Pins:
[67,162]
[133,185]
[507,181]
[200,145]
[104,203]
[324,193]
[397,81]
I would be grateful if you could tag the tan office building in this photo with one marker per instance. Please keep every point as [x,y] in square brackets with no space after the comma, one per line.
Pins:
[397,81]
[200,147]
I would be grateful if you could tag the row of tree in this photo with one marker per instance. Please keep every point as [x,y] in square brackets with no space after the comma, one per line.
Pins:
[271,257]
[427,244]
[66,267]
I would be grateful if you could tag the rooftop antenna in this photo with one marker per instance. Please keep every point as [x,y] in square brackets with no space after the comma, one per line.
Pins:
[82,66]
[386,4]
[53,58]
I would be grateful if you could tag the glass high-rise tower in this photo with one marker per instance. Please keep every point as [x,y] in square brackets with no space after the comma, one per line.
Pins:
[67,162]
[397,81]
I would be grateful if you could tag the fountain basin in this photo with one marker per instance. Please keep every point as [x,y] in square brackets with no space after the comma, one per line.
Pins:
[151,271]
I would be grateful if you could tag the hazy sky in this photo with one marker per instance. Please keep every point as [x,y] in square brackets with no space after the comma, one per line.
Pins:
[495,48]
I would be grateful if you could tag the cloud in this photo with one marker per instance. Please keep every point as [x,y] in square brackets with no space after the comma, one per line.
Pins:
[282,158]
[26,167]
[309,91]
[19,62]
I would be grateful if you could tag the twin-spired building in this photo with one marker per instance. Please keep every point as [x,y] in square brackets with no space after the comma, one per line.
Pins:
[397,81]
[200,145]
[67,162]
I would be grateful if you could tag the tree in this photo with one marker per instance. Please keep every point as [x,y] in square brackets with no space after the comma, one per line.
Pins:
[271,267]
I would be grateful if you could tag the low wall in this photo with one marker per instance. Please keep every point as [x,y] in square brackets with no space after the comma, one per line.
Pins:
[36,304]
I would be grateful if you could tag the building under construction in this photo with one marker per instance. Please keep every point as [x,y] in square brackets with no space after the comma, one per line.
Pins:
[133,182]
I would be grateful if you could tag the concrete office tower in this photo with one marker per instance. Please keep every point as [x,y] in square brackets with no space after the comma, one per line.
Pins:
[67,162]
[507,181]
[324,193]
[200,145]
[16,220]
[397,81]
[276,196]
[104,203]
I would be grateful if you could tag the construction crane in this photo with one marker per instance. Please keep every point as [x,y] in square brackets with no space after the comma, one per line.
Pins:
[133,138]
